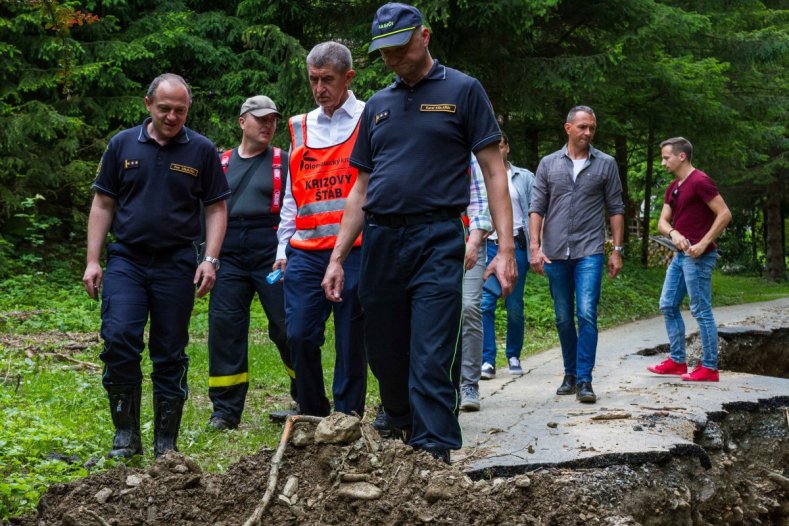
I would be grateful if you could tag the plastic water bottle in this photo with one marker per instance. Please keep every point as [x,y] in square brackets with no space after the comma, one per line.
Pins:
[274,276]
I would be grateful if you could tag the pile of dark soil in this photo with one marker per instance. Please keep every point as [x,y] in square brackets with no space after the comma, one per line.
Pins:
[364,479]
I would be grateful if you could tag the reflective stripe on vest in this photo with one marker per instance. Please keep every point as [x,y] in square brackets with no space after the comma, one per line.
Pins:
[320,179]
[276,176]
[276,181]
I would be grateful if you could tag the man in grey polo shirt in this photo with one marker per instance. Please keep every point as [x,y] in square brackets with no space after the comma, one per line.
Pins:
[571,189]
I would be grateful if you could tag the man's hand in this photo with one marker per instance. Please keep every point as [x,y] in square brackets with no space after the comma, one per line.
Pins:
[537,260]
[205,277]
[334,281]
[697,250]
[280,264]
[506,269]
[475,239]
[614,263]
[681,242]
[92,279]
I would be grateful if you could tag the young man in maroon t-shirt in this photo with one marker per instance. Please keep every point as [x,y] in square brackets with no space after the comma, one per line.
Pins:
[693,216]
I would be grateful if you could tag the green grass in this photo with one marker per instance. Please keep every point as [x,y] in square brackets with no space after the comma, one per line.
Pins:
[46,406]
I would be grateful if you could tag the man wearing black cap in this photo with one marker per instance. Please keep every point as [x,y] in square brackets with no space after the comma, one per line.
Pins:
[412,153]
[150,183]
[256,173]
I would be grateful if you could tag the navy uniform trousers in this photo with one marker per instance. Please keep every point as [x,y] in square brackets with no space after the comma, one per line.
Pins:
[248,252]
[139,283]
[307,311]
[411,291]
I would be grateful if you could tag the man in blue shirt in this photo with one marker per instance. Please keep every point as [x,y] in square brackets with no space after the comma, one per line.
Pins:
[412,153]
[520,181]
[150,183]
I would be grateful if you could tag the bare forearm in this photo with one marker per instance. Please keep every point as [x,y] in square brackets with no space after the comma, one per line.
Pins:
[535,230]
[499,203]
[717,228]
[99,221]
[617,229]
[215,225]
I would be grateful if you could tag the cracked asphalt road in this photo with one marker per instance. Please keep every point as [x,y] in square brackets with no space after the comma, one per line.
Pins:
[639,416]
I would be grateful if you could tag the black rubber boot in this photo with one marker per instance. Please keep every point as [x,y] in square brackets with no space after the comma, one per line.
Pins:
[125,411]
[166,422]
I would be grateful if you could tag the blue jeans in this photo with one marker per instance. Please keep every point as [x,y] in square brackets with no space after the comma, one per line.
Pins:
[514,305]
[575,286]
[686,275]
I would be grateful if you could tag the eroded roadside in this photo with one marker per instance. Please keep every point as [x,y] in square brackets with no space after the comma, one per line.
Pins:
[741,478]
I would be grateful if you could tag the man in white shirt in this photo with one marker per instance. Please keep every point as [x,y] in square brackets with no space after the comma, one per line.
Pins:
[320,180]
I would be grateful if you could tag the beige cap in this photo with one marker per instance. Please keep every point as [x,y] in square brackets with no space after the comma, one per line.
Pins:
[259,106]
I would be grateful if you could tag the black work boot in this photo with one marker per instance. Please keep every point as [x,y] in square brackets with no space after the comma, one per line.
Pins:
[585,393]
[166,422]
[125,411]
[568,385]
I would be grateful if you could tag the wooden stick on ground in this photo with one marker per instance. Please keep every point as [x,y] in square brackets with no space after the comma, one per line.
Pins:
[276,460]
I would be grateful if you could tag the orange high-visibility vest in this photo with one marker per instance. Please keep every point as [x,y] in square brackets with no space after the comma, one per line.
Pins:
[320,179]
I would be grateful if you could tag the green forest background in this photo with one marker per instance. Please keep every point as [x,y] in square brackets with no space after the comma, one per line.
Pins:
[714,71]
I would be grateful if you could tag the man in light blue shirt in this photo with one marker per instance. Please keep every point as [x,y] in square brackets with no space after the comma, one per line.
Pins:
[520,181]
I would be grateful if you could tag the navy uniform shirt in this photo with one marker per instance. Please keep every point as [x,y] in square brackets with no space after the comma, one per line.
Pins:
[415,142]
[158,189]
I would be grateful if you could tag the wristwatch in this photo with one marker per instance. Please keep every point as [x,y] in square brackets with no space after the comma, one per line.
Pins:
[213,261]
[619,249]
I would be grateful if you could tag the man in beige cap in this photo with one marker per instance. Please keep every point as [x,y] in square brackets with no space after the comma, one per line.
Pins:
[256,173]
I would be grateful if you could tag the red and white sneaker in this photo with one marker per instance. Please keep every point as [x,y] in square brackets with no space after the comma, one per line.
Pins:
[669,366]
[701,374]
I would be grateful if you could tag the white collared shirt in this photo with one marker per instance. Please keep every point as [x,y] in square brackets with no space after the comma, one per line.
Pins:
[322,131]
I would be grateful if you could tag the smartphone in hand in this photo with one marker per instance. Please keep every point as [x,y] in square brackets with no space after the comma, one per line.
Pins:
[492,286]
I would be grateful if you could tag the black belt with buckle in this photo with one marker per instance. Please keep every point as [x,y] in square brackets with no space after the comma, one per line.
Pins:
[401,220]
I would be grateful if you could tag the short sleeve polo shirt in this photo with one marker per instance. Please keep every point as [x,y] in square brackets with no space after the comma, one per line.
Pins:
[415,141]
[158,189]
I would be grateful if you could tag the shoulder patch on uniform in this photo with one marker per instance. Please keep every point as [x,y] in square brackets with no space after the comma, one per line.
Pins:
[447,108]
[131,163]
[184,169]
[381,116]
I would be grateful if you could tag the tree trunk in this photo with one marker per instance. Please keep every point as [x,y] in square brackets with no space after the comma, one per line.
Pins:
[774,221]
[647,197]
[620,144]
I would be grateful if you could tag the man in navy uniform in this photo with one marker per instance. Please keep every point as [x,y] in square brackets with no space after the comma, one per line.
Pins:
[150,183]
[413,149]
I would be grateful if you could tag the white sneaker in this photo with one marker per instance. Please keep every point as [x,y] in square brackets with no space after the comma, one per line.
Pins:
[488,371]
[515,366]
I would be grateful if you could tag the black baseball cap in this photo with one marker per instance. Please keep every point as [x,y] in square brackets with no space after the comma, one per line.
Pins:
[393,25]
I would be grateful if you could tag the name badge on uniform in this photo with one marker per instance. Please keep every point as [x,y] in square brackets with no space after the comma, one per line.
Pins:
[184,169]
[382,116]
[446,108]
[131,163]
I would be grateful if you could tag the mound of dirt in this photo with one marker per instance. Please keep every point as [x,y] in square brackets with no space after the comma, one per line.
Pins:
[352,476]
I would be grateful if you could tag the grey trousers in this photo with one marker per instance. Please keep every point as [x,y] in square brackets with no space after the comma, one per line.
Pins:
[471,364]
